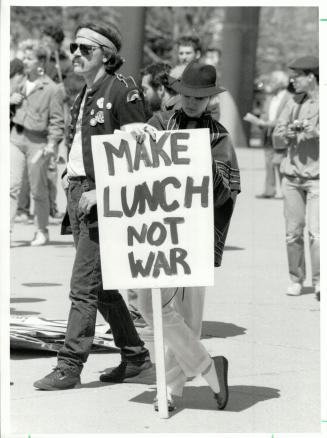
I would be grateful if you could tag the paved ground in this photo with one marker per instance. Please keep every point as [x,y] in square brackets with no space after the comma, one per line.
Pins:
[271,340]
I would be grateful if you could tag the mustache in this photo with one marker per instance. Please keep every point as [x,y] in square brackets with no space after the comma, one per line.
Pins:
[76,58]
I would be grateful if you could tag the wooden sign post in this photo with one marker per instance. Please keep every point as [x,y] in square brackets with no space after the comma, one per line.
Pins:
[155,214]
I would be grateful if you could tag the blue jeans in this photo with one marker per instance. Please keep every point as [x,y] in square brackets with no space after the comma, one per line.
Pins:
[301,198]
[87,295]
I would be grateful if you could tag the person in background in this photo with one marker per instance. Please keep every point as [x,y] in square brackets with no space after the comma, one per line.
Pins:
[298,129]
[277,98]
[156,85]
[223,107]
[38,127]
[182,312]
[24,203]
[212,56]
[58,67]
[188,49]
[107,102]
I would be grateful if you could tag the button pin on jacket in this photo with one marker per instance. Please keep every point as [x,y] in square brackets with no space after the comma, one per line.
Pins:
[93,122]
[100,102]
[99,117]
[109,105]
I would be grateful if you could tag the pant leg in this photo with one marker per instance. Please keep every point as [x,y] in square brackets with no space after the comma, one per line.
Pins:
[24,201]
[37,173]
[294,213]
[189,303]
[270,179]
[52,179]
[17,165]
[87,295]
[312,187]
[189,352]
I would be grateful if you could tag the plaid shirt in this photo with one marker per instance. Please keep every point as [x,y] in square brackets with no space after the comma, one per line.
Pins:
[225,170]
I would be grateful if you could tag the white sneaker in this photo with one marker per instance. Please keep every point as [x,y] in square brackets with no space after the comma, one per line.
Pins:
[294,289]
[40,238]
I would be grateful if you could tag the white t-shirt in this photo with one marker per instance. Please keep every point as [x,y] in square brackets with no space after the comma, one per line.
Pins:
[30,86]
[75,165]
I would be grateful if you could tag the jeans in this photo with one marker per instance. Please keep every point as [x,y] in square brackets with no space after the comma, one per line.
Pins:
[87,295]
[273,176]
[24,146]
[301,198]
[182,312]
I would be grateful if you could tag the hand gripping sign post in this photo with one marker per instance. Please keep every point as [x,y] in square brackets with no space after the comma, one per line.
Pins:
[155,213]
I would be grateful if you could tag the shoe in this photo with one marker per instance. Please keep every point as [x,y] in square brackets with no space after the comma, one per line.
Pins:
[294,289]
[40,238]
[145,377]
[58,379]
[221,366]
[317,292]
[170,402]
[124,371]
[21,218]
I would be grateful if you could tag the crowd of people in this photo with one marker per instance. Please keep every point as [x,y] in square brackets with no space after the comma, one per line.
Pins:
[188,96]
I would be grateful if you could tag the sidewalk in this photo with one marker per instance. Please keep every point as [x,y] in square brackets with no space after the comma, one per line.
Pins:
[271,340]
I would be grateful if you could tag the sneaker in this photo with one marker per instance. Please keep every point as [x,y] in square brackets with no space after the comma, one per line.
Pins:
[21,218]
[40,238]
[125,370]
[294,289]
[58,379]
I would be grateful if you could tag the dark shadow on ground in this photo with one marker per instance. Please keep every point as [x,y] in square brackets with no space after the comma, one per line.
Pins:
[13,311]
[307,290]
[41,284]
[25,243]
[26,300]
[216,329]
[233,248]
[22,354]
[27,354]
[241,397]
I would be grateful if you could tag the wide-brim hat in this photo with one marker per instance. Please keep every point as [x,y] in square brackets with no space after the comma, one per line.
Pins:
[198,80]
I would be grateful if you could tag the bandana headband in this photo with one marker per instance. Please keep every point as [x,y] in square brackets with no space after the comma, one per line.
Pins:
[97,38]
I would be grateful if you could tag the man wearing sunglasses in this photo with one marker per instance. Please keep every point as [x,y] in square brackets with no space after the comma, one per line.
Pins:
[107,102]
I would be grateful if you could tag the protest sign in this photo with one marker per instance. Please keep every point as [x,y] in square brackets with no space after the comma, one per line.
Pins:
[155,209]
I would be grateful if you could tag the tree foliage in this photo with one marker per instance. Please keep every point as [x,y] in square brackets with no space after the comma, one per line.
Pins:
[284,32]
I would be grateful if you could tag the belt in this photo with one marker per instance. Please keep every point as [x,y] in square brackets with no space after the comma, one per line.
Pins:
[300,178]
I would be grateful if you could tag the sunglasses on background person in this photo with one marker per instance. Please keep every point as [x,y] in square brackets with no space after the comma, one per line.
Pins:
[85,49]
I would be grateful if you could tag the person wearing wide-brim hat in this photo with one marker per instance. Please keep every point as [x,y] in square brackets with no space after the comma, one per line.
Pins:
[182,317]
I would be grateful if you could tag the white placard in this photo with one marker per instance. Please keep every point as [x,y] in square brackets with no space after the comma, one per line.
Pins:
[155,209]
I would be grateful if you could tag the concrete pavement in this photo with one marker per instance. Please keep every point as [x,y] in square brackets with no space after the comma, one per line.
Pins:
[271,340]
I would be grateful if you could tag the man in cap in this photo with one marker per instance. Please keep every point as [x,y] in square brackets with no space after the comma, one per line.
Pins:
[298,129]
[107,102]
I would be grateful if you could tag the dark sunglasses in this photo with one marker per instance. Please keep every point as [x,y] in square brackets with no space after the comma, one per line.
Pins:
[85,49]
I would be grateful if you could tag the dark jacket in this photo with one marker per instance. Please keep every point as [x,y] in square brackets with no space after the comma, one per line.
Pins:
[226,176]
[112,101]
